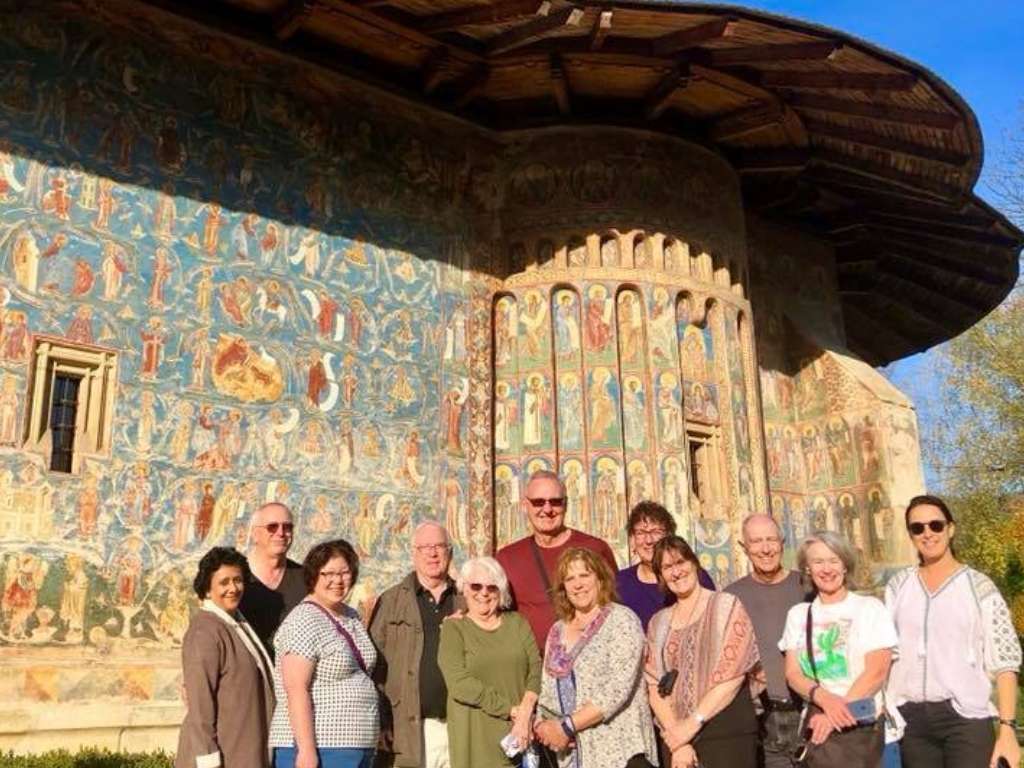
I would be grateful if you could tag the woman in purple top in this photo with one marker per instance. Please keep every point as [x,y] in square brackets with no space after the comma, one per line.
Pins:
[649,523]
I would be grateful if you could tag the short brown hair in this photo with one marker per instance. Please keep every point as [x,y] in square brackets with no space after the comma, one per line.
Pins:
[652,512]
[323,553]
[676,544]
[594,563]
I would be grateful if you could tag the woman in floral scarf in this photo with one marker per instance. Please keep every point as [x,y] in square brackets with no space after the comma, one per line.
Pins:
[596,715]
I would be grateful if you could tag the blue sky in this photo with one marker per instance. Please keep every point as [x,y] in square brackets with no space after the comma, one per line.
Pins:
[978,48]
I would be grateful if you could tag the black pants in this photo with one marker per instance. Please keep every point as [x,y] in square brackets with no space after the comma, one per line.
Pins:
[780,737]
[938,737]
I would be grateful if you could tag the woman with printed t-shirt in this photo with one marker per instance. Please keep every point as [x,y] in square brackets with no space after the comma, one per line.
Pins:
[852,639]
[327,714]
[956,637]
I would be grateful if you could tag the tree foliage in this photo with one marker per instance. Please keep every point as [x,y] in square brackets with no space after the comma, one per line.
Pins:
[976,443]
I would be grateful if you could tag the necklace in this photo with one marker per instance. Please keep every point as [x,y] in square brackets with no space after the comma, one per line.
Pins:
[689,615]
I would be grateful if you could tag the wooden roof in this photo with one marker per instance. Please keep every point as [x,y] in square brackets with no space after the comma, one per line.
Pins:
[829,133]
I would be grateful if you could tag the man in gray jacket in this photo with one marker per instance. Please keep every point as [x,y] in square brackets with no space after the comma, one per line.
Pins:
[406,628]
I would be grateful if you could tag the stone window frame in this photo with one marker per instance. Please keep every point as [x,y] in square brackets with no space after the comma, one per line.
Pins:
[97,368]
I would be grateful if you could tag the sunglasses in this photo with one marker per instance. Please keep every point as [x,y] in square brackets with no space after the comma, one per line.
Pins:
[935,526]
[273,528]
[555,503]
[475,586]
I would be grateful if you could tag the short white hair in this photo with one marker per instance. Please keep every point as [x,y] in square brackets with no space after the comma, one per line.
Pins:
[429,524]
[492,568]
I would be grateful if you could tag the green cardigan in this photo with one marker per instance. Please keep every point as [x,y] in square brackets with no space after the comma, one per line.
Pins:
[487,673]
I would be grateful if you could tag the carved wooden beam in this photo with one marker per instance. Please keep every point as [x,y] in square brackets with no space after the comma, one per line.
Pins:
[290,19]
[534,29]
[471,85]
[661,94]
[682,39]
[602,27]
[433,69]
[560,84]
[874,140]
[747,120]
[854,81]
[490,13]
[770,160]
[890,113]
[886,173]
[927,255]
[773,52]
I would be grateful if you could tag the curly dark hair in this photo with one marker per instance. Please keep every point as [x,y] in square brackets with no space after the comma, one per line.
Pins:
[321,554]
[651,512]
[676,544]
[213,560]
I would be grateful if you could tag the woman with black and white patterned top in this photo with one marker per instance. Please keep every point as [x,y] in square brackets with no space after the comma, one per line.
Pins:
[326,714]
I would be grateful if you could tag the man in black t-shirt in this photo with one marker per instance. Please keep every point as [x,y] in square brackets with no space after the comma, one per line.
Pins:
[277,585]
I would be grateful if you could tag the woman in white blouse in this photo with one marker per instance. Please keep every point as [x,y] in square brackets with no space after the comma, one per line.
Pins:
[955,638]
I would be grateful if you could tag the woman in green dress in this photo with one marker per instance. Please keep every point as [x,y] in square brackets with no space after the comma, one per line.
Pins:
[491,666]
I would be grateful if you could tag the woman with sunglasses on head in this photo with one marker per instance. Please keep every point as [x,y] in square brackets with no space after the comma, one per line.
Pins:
[226,672]
[327,714]
[595,709]
[491,667]
[703,668]
[838,650]
[955,637]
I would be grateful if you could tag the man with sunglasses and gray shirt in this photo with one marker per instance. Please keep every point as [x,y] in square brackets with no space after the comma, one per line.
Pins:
[276,585]
[530,562]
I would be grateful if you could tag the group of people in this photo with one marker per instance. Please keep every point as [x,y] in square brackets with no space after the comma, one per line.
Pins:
[546,655]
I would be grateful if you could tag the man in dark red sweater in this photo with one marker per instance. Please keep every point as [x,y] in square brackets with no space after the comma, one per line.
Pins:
[523,560]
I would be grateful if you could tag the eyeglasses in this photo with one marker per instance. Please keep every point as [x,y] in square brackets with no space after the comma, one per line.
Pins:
[430,548]
[492,589]
[825,562]
[273,528]
[654,534]
[556,503]
[330,576]
[935,526]
[685,564]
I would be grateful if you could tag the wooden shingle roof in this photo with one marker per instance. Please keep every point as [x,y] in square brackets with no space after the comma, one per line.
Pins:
[828,132]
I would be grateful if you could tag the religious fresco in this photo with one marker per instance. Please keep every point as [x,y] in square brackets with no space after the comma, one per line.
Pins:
[616,424]
[291,314]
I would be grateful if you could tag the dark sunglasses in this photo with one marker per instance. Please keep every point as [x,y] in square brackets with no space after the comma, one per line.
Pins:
[935,526]
[556,503]
[272,528]
[476,586]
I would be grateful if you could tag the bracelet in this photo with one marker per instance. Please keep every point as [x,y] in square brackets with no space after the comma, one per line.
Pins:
[1009,723]
[568,727]
[810,693]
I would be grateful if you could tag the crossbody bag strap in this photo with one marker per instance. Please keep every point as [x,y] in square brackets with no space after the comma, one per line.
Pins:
[540,567]
[345,634]
[810,643]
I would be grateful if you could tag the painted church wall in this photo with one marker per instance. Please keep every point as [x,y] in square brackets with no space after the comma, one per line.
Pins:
[284,286]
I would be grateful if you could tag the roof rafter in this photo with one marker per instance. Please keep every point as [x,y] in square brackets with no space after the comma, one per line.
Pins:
[878,141]
[601,29]
[890,113]
[835,80]
[657,100]
[693,36]
[534,29]
[560,84]
[290,19]
[772,52]
[491,13]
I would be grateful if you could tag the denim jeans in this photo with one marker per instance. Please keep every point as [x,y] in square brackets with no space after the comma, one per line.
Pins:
[284,757]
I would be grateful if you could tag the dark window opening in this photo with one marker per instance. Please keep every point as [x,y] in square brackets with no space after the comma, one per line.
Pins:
[63,415]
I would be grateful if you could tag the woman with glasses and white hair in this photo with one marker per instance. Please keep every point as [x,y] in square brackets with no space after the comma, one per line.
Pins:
[491,667]
[956,638]
[851,640]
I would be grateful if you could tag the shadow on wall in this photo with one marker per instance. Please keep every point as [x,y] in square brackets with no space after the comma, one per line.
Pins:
[283,281]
